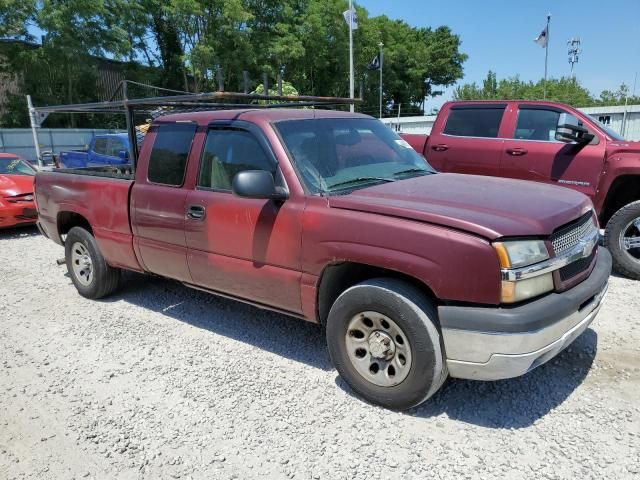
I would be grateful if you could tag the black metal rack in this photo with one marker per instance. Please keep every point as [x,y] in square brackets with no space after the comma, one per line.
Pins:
[219,100]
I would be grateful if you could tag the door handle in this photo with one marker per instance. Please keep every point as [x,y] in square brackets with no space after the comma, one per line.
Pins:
[440,147]
[517,152]
[196,212]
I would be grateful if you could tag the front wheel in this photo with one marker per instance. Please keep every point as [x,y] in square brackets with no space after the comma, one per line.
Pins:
[622,238]
[383,340]
[89,271]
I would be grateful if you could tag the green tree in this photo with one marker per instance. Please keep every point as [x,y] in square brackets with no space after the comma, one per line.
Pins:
[416,63]
[14,18]
[188,41]
[618,97]
[565,89]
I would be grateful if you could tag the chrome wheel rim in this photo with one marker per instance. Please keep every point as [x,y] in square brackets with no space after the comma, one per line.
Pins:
[630,239]
[81,263]
[378,349]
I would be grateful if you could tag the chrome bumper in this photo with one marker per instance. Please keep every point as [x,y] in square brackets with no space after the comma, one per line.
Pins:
[495,356]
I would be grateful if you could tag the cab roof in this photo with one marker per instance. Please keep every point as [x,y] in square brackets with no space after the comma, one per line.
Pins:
[257,115]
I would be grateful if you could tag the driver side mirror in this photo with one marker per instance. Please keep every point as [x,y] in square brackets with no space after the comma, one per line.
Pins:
[568,132]
[257,184]
[123,154]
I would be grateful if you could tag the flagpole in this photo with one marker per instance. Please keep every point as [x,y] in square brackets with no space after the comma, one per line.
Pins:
[351,92]
[546,56]
[381,64]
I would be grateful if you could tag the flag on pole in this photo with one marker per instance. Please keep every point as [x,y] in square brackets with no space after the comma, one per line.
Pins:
[542,38]
[375,64]
[351,17]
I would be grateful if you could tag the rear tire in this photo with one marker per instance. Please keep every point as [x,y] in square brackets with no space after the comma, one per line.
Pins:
[625,223]
[89,271]
[383,340]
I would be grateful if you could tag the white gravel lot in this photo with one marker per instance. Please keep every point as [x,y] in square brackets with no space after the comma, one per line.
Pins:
[160,381]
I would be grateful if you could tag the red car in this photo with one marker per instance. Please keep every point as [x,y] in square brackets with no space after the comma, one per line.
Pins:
[16,191]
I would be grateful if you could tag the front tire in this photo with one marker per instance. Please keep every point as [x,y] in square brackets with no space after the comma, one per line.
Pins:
[89,271]
[383,340]
[621,235]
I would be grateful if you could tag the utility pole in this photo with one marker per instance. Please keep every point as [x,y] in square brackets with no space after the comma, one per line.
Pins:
[623,130]
[351,89]
[574,51]
[381,64]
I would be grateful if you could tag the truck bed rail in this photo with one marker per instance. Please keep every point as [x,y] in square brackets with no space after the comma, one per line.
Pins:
[124,172]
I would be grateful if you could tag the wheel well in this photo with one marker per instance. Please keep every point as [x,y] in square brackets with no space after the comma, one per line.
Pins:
[623,191]
[67,220]
[336,278]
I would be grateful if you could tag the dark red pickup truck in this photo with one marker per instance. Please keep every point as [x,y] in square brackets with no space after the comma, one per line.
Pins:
[551,143]
[331,217]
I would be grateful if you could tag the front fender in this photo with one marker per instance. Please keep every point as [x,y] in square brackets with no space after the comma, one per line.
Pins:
[617,166]
[455,265]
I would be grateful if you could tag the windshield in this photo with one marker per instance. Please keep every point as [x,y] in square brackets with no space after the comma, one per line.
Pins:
[612,133]
[608,130]
[15,166]
[337,154]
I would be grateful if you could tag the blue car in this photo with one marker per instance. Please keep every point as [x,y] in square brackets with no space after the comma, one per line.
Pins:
[108,149]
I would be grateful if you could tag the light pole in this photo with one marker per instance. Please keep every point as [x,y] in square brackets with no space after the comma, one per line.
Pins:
[380,45]
[351,92]
[546,56]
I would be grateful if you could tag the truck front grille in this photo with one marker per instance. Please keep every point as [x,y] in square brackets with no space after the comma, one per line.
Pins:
[570,235]
[576,268]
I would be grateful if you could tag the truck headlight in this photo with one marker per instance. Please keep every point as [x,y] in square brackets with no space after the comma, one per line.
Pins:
[520,290]
[522,253]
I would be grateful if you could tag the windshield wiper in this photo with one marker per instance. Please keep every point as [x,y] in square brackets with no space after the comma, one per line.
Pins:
[360,180]
[412,170]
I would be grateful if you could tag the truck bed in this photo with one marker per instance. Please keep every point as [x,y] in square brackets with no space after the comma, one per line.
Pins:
[100,196]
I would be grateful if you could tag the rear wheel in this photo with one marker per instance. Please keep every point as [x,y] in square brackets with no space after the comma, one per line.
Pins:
[383,340]
[622,238]
[89,271]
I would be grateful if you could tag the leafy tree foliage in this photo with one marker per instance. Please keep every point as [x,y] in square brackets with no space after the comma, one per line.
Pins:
[188,41]
[565,89]
[15,16]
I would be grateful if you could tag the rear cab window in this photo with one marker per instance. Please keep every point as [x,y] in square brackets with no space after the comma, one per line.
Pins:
[168,159]
[474,121]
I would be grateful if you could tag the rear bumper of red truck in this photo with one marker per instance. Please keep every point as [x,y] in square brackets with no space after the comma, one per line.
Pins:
[497,343]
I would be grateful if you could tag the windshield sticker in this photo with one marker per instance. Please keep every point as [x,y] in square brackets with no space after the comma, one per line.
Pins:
[403,143]
[13,164]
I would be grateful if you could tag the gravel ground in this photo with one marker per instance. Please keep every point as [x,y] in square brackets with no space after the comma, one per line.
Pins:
[160,381]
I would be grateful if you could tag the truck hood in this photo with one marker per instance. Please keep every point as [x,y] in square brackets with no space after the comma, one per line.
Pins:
[623,147]
[11,185]
[486,206]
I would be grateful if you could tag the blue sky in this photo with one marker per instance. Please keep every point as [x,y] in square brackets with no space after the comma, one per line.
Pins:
[498,35]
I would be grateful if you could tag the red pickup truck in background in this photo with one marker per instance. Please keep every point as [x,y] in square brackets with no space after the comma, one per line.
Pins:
[333,218]
[551,143]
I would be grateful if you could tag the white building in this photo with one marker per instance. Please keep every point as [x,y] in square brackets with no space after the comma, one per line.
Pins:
[621,119]
[627,124]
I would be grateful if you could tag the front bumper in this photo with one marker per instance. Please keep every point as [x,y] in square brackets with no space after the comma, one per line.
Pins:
[497,343]
[20,214]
